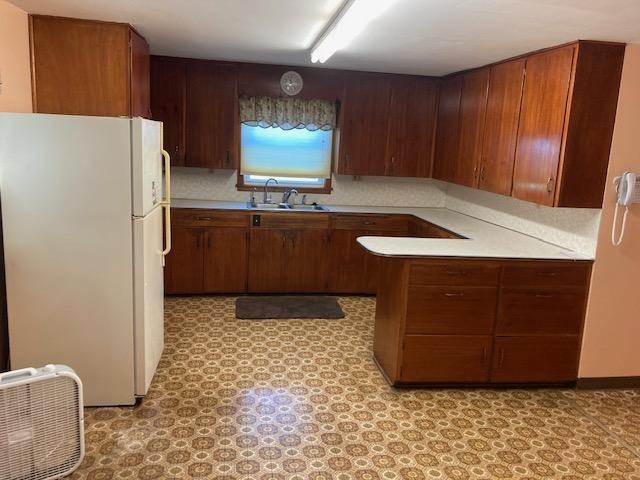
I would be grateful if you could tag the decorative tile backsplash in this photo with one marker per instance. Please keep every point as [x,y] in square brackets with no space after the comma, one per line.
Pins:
[572,228]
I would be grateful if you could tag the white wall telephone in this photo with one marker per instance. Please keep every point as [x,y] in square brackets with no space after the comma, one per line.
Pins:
[628,188]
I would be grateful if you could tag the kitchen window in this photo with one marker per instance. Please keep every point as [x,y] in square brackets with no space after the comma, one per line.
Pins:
[288,139]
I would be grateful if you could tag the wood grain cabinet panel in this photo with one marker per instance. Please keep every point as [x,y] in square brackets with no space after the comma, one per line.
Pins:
[225,260]
[412,122]
[287,260]
[501,127]
[451,310]
[364,124]
[351,268]
[184,270]
[548,274]
[447,131]
[454,272]
[541,125]
[168,103]
[87,67]
[535,311]
[544,359]
[446,359]
[212,115]
[473,104]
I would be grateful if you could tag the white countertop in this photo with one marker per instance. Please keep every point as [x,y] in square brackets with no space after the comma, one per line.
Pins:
[482,239]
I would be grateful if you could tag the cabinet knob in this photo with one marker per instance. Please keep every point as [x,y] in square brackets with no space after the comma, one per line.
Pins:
[550,185]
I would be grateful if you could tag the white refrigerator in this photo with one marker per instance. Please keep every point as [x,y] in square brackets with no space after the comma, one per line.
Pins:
[83,201]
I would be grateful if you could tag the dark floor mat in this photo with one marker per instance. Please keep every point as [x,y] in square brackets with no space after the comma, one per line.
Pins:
[280,307]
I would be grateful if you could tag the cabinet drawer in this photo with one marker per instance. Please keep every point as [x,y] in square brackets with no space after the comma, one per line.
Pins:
[547,274]
[532,311]
[455,273]
[451,310]
[208,218]
[446,359]
[289,220]
[392,223]
[542,359]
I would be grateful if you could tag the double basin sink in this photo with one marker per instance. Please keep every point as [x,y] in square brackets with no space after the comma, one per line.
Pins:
[286,206]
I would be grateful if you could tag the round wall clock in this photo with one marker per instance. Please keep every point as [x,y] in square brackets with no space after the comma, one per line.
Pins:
[291,82]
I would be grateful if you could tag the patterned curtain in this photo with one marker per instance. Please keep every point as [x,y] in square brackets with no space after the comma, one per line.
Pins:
[288,113]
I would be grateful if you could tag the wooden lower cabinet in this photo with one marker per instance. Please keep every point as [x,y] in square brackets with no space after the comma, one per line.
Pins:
[287,260]
[184,269]
[225,260]
[446,358]
[477,321]
[540,359]
[208,254]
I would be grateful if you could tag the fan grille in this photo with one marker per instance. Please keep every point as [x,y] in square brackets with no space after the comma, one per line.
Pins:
[39,429]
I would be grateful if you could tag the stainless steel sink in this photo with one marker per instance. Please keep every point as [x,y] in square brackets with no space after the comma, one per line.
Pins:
[286,206]
[309,208]
[267,206]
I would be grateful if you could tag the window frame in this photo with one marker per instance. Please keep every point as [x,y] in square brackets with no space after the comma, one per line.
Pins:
[243,186]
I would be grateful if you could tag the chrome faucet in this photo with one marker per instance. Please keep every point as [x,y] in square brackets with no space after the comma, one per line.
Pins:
[267,197]
[286,196]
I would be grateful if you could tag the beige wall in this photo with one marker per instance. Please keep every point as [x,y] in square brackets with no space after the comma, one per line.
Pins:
[611,345]
[14,59]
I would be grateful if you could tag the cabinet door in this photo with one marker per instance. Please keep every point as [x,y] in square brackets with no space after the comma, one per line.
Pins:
[80,67]
[351,268]
[364,125]
[267,259]
[225,260]
[446,359]
[541,359]
[140,76]
[306,265]
[473,104]
[184,271]
[447,133]
[168,96]
[212,115]
[501,127]
[412,121]
[541,125]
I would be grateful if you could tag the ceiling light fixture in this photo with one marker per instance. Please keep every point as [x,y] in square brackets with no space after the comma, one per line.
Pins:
[350,21]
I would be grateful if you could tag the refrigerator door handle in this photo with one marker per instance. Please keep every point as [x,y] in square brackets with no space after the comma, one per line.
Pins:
[166,204]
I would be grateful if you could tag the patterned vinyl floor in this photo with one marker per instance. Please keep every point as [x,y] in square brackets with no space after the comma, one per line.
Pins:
[302,399]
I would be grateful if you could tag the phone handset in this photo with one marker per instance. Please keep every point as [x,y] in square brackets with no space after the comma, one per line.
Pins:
[628,189]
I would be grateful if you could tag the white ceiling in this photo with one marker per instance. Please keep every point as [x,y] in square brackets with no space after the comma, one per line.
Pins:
[430,37]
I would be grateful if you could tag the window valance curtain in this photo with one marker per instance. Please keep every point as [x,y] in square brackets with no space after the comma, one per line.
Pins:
[288,113]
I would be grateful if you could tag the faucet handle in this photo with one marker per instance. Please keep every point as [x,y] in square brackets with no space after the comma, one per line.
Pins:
[304,199]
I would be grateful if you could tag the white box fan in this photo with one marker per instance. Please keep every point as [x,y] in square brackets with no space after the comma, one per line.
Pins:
[41,423]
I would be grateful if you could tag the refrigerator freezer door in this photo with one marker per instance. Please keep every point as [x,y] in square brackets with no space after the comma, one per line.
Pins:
[148,288]
[146,165]
[66,210]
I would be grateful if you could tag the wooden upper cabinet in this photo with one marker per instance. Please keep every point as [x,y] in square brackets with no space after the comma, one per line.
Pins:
[501,127]
[364,124]
[168,98]
[412,122]
[87,67]
[566,124]
[212,123]
[473,103]
[541,126]
[447,133]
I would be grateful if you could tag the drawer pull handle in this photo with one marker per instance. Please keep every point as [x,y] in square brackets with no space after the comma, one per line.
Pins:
[369,223]
[547,274]
[543,295]
[501,360]
[204,219]
[458,294]
[456,272]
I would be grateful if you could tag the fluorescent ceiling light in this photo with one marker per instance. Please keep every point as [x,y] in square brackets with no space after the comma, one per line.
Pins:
[353,17]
